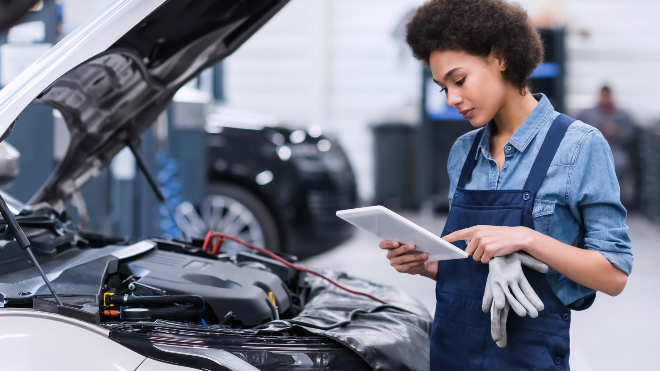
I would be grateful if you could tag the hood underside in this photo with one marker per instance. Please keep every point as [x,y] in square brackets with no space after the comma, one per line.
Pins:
[114,95]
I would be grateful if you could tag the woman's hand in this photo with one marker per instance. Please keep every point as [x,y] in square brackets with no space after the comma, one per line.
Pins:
[406,259]
[487,241]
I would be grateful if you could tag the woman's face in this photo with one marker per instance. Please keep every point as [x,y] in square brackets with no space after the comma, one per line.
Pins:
[474,85]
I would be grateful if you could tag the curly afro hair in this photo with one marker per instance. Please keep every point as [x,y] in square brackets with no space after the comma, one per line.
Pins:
[478,27]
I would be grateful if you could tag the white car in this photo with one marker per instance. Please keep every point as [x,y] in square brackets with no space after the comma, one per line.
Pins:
[158,304]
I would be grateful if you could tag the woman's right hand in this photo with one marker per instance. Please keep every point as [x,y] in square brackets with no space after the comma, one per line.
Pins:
[406,259]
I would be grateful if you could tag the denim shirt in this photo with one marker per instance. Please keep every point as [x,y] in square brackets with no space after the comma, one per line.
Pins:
[578,203]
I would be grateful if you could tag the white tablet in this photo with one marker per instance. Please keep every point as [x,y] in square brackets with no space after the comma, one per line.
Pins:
[389,225]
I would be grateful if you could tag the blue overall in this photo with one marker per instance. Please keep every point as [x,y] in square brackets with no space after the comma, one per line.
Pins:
[461,338]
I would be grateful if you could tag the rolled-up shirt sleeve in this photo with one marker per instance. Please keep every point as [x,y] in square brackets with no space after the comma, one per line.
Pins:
[594,198]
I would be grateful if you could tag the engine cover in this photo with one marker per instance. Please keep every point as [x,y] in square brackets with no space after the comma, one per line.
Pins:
[225,286]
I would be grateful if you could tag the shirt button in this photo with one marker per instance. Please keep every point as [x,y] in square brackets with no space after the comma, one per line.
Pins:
[526,196]
[566,316]
[558,361]
[505,166]
[508,148]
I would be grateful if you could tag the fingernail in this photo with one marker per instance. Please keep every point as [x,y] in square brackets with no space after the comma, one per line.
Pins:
[395,244]
[411,247]
[425,256]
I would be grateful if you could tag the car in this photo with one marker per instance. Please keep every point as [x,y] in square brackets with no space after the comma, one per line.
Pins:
[280,187]
[75,300]
[277,187]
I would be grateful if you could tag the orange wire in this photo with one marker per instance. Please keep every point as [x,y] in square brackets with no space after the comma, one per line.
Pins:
[214,240]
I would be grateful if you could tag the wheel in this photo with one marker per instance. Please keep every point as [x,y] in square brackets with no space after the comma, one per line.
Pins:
[234,210]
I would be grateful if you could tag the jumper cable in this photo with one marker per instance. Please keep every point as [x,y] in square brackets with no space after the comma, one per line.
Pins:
[214,240]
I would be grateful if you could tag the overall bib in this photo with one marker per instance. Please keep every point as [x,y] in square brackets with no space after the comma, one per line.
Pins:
[461,338]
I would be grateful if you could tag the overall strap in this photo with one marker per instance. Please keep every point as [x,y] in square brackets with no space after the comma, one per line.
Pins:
[470,160]
[547,152]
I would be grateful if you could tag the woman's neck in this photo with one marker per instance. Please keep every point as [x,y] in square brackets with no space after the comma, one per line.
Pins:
[514,111]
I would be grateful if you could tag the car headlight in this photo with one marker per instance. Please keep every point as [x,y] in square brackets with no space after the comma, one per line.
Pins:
[255,360]
[207,347]
[218,356]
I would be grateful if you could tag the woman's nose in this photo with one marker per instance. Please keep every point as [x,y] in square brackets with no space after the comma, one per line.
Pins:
[453,99]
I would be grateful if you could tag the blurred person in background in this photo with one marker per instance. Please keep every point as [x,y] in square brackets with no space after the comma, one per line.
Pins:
[618,129]
[534,199]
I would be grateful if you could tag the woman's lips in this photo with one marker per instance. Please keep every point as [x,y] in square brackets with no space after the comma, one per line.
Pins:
[467,114]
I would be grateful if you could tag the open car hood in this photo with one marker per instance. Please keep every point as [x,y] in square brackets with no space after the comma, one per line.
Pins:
[116,73]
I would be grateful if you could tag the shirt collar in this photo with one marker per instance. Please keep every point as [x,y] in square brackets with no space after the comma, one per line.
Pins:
[540,116]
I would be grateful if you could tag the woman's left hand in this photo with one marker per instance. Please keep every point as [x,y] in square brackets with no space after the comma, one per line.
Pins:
[487,241]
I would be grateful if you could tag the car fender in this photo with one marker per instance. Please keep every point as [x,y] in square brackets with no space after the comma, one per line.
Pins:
[32,341]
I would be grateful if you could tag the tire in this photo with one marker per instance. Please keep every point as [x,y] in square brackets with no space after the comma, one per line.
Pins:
[224,200]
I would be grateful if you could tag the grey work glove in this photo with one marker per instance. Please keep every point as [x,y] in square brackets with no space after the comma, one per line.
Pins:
[507,286]
[498,323]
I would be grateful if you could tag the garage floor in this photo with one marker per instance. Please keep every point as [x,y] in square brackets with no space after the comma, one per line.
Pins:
[618,333]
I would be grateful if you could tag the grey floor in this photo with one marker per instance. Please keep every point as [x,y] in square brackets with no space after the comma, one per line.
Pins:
[616,333]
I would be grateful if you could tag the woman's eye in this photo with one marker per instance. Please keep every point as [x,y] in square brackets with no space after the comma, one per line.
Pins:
[460,82]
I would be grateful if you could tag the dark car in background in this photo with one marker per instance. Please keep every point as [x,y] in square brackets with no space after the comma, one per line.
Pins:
[276,186]
[249,176]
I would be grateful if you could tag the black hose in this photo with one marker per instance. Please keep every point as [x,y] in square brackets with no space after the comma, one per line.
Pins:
[174,313]
[158,301]
[169,313]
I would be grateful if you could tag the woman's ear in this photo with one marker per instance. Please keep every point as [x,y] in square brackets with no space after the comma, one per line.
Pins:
[498,58]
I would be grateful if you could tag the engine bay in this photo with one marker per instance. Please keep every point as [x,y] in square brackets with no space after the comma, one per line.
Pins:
[107,276]
[175,301]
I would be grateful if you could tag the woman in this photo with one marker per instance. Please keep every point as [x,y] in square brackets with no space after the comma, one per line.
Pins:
[528,182]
